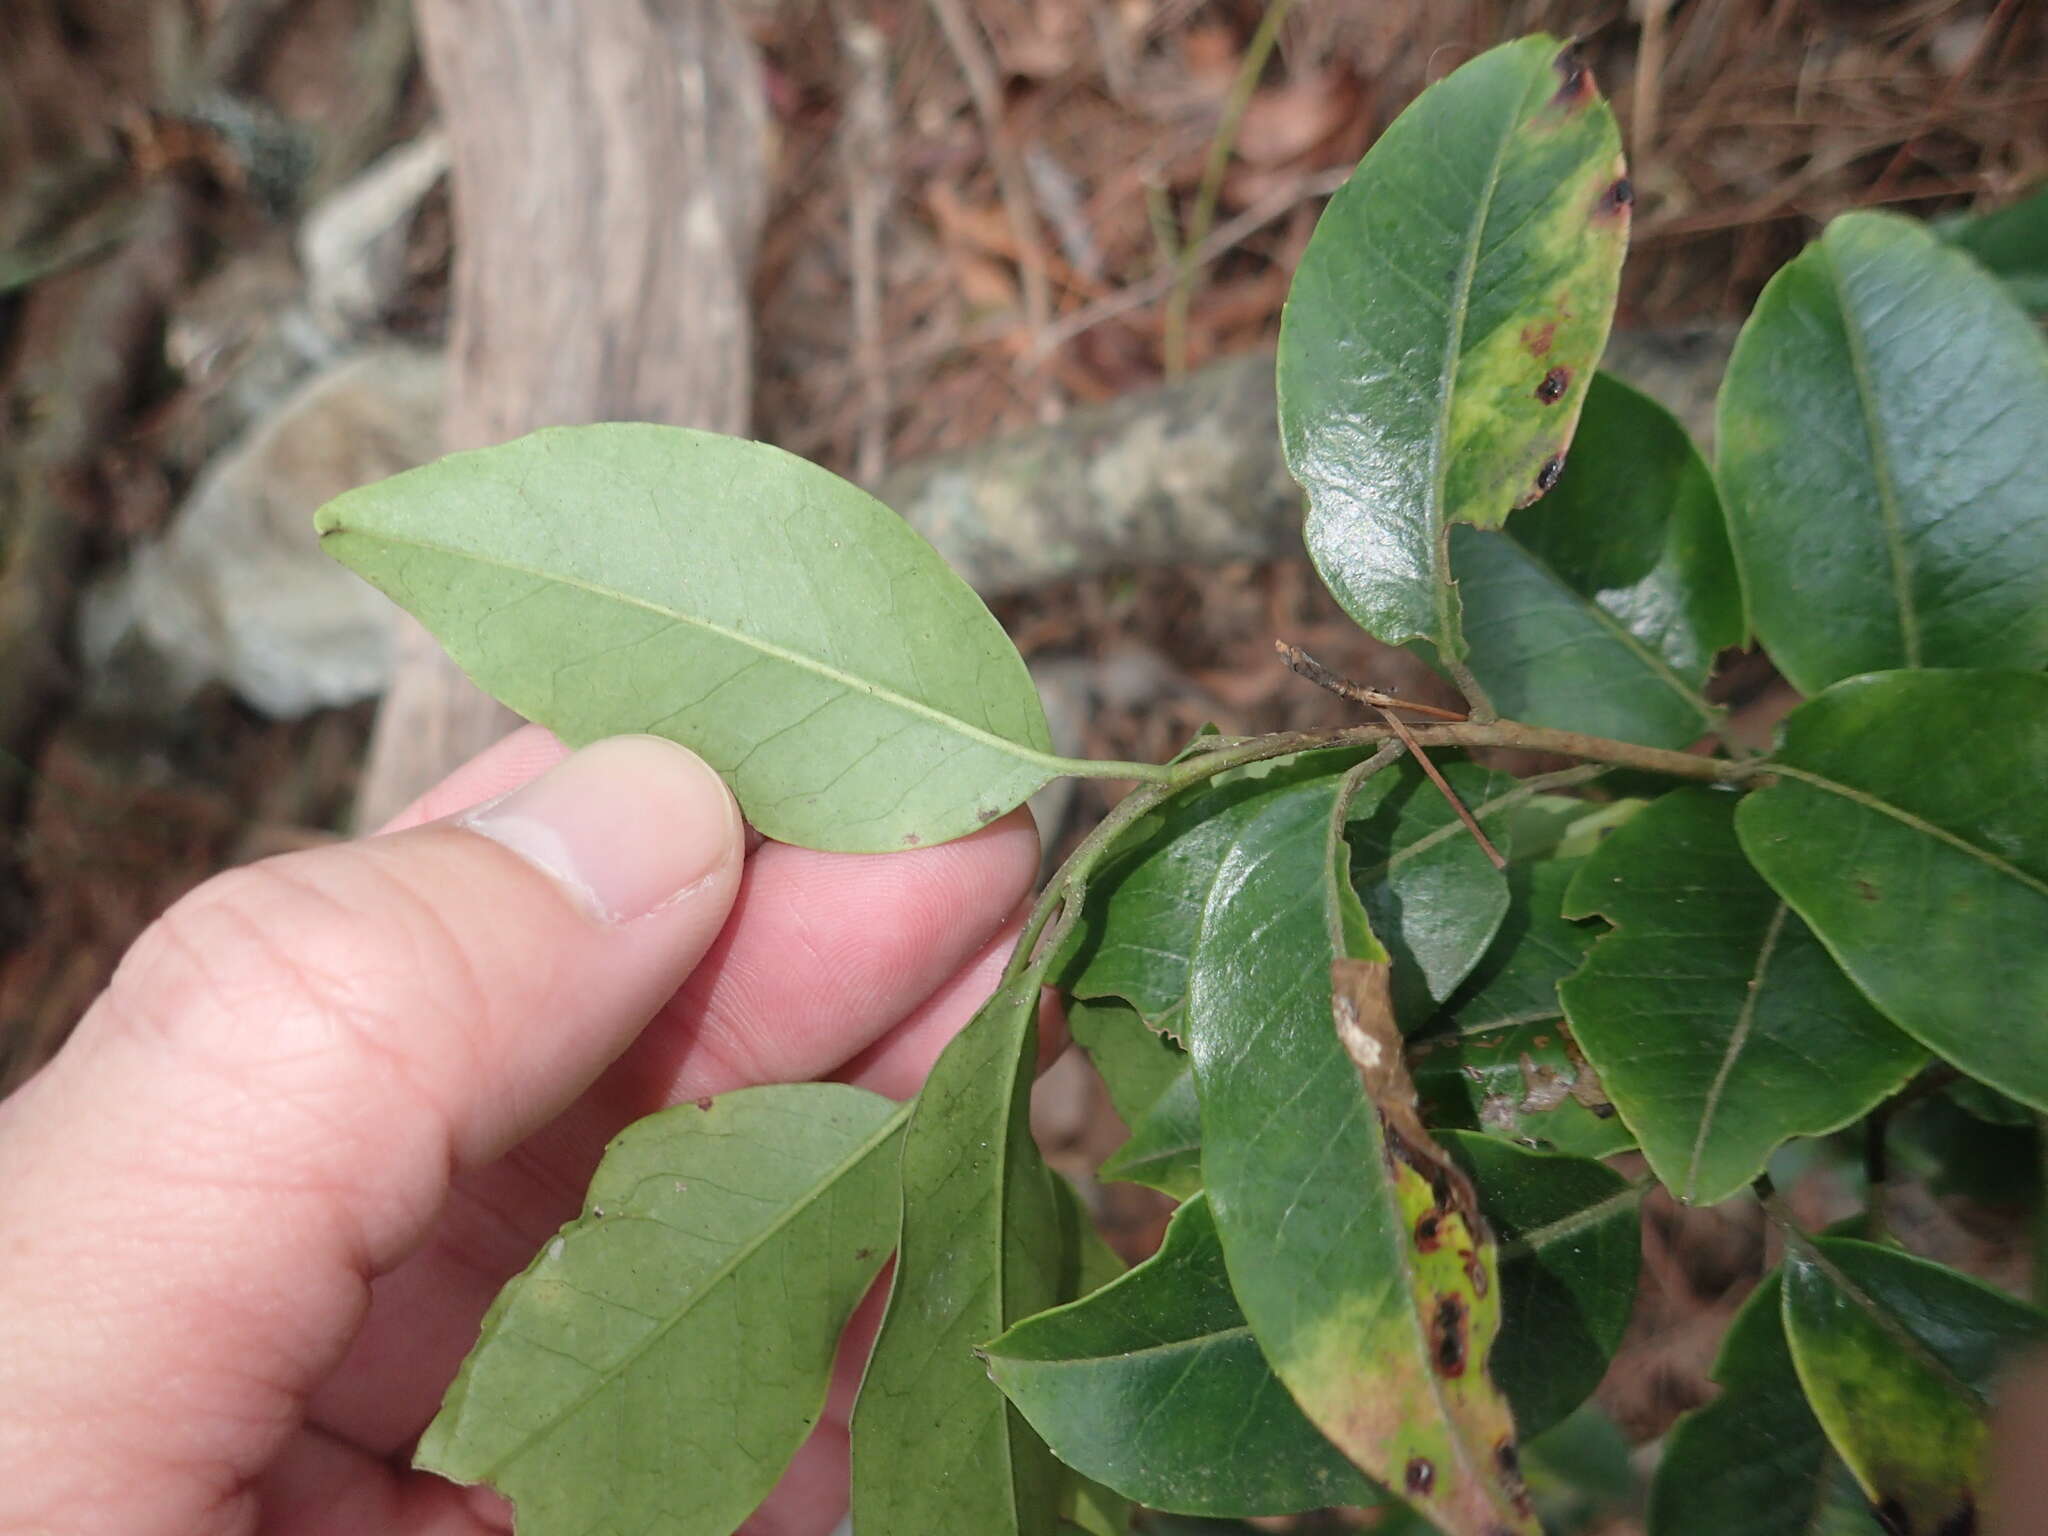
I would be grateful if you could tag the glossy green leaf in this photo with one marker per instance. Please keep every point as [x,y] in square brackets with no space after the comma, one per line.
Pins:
[1882,427]
[1433,898]
[1718,1024]
[720,1247]
[2011,243]
[1755,1459]
[794,631]
[1569,1251]
[1150,1084]
[1155,1387]
[1600,608]
[1499,1057]
[1369,1291]
[1443,326]
[1898,1357]
[986,1241]
[1907,825]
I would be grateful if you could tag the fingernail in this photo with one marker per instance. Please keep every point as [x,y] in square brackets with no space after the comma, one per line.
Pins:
[626,826]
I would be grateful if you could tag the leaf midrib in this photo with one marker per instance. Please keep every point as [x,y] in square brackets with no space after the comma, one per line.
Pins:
[1881,468]
[1738,1041]
[1906,818]
[724,1272]
[886,696]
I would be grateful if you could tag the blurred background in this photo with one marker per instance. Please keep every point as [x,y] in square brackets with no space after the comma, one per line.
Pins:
[1017,264]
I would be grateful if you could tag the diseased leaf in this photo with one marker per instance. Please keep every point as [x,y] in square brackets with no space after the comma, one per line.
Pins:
[1898,1357]
[1352,1248]
[1155,1387]
[1717,1022]
[722,1247]
[1443,326]
[1568,1250]
[985,1243]
[1755,1459]
[1600,608]
[1907,825]
[1499,1057]
[792,630]
[1882,426]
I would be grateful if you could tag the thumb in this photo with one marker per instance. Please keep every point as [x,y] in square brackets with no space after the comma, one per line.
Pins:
[266,1107]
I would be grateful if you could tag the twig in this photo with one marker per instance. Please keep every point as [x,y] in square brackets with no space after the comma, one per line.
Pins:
[1012,185]
[1649,77]
[1225,236]
[865,149]
[1188,271]
[1300,661]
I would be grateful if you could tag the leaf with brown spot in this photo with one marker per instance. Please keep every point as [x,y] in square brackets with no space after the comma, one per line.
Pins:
[1353,1244]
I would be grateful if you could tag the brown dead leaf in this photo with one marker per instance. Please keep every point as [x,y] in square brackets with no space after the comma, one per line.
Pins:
[1284,122]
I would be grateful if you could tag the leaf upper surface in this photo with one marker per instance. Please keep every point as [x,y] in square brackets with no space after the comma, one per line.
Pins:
[1718,1023]
[1599,609]
[1155,1386]
[1898,1357]
[1380,1333]
[1882,427]
[1443,325]
[721,1247]
[855,693]
[1907,825]
[1755,1459]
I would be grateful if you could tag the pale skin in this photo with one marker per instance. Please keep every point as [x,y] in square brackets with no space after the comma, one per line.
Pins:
[252,1213]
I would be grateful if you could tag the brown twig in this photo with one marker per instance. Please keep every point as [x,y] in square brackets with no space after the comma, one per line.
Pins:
[1300,661]
[866,151]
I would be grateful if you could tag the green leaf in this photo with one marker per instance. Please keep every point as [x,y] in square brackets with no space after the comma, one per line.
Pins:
[1165,1148]
[1365,1279]
[1898,1356]
[986,1241]
[1600,608]
[1882,426]
[1718,1024]
[1433,898]
[1443,326]
[1155,1387]
[791,629]
[720,1247]
[1569,1251]
[1499,1057]
[1755,1459]
[2012,243]
[1907,825]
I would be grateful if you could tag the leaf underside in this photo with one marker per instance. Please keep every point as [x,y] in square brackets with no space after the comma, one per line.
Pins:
[720,1247]
[798,635]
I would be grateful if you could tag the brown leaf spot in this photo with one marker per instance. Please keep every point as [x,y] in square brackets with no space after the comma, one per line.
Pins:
[1509,1460]
[1575,80]
[1601,1111]
[862,1253]
[1537,338]
[1866,890]
[1418,1477]
[987,814]
[1447,1336]
[1475,1273]
[1554,384]
[1428,1231]
[1619,195]
[704,1102]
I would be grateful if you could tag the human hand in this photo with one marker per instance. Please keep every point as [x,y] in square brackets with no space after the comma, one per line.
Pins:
[251,1215]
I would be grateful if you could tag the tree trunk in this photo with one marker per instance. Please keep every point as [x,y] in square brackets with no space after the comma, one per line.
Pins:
[609,165]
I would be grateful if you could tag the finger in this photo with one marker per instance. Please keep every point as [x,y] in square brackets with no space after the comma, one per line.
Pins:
[514,759]
[833,951]
[265,1109]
